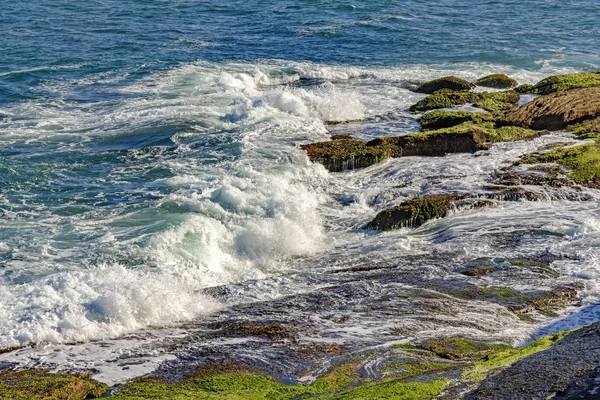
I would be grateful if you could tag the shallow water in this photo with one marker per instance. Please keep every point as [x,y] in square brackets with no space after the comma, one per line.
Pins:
[150,153]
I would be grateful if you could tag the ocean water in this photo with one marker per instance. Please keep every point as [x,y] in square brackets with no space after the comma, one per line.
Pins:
[149,151]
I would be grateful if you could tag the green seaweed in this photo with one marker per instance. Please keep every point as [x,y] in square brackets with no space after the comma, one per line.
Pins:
[447,82]
[457,348]
[414,212]
[440,119]
[339,383]
[497,81]
[489,101]
[583,161]
[394,389]
[560,83]
[503,358]
[32,384]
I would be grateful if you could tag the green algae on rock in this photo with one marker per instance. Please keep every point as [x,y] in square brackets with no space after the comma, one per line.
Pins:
[456,348]
[32,384]
[467,137]
[489,101]
[440,119]
[506,357]
[583,161]
[524,89]
[414,212]
[447,82]
[496,81]
[561,83]
[228,381]
[556,111]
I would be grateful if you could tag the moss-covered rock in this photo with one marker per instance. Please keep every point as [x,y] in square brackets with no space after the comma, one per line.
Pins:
[341,137]
[506,357]
[414,212]
[467,137]
[583,161]
[32,384]
[339,155]
[556,111]
[561,83]
[489,101]
[589,129]
[447,82]
[341,382]
[524,89]
[497,81]
[446,119]
[457,348]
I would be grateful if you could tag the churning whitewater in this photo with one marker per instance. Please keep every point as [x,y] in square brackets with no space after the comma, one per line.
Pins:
[120,215]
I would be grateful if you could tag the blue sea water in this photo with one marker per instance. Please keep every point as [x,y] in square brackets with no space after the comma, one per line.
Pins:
[149,149]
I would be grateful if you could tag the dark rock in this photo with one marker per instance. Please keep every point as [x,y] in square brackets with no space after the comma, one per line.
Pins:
[546,374]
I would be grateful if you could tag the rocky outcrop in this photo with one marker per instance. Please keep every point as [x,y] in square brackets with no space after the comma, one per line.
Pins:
[561,83]
[582,161]
[492,102]
[467,137]
[557,372]
[497,81]
[414,212]
[556,111]
[447,82]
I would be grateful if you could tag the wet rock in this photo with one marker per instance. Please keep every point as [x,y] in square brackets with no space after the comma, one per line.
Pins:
[351,154]
[414,212]
[447,119]
[477,271]
[268,329]
[41,384]
[492,102]
[546,374]
[583,162]
[524,89]
[457,348]
[556,111]
[447,82]
[341,137]
[467,137]
[339,155]
[497,81]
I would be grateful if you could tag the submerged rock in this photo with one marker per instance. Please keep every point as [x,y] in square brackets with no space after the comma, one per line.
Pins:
[497,81]
[447,82]
[446,119]
[489,101]
[556,111]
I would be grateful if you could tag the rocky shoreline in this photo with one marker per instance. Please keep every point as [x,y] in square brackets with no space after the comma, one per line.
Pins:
[304,359]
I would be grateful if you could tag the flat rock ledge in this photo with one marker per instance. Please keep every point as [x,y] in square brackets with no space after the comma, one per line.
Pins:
[564,371]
